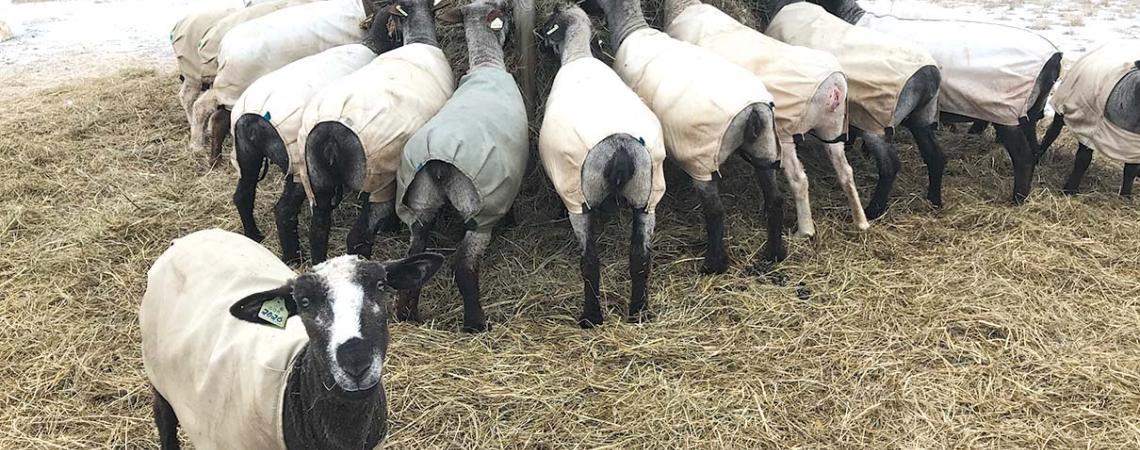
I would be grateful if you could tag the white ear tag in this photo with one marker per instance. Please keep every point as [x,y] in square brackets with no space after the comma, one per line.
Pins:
[400,10]
[274,312]
[497,24]
[436,3]
[552,30]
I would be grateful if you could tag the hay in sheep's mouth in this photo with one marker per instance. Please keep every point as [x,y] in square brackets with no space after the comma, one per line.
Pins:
[979,325]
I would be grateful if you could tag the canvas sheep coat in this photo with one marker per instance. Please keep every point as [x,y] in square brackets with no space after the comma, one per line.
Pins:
[877,65]
[267,43]
[694,93]
[988,70]
[211,42]
[791,73]
[1083,98]
[574,122]
[383,103]
[281,96]
[185,37]
[224,377]
[482,131]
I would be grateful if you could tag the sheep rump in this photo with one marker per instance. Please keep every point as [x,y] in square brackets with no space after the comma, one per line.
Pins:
[588,103]
[791,73]
[650,62]
[224,377]
[1083,97]
[989,70]
[491,151]
[281,96]
[383,103]
[877,66]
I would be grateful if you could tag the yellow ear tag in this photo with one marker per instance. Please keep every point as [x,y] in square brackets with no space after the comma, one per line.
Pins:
[497,24]
[400,10]
[552,30]
[274,312]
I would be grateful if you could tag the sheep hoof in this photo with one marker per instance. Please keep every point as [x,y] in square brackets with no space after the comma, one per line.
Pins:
[874,212]
[1068,192]
[863,226]
[476,328]
[714,266]
[804,234]
[588,323]
[642,316]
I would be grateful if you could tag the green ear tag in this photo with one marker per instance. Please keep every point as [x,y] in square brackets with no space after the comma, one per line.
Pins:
[274,312]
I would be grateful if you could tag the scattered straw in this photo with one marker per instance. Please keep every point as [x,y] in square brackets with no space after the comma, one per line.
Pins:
[979,325]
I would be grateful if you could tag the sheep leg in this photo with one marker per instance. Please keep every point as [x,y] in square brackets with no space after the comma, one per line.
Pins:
[798,181]
[187,94]
[934,158]
[286,211]
[584,229]
[408,302]
[716,258]
[166,422]
[321,223]
[774,250]
[887,160]
[373,217]
[468,254]
[1080,165]
[1051,134]
[846,178]
[249,165]
[640,256]
[219,129]
[1130,171]
[1021,154]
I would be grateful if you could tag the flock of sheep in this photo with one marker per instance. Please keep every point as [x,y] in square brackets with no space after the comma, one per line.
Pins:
[353,98]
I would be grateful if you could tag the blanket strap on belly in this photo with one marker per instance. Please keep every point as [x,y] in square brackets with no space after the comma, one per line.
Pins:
[799,138]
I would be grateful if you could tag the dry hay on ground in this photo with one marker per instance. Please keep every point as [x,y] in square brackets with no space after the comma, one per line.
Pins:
[979,325]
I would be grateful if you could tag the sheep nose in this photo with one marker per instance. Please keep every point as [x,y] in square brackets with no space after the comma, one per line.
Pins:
[354,357]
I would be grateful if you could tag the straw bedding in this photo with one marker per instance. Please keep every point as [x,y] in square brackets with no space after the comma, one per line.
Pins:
[980,325]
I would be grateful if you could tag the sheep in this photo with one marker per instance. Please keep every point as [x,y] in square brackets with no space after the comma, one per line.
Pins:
[592,152]
[473,155]
[184,39]
[353,131]
[991,73]
[890,82]
[709,109]
[265,44]
[809,87]
[267,121]
[244,353]
[1100,100]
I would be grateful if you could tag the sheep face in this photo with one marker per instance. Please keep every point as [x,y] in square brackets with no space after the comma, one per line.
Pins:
[342,303]
[493,14]
[553,33]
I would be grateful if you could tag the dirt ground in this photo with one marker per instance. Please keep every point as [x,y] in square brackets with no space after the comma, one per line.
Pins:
[978,325]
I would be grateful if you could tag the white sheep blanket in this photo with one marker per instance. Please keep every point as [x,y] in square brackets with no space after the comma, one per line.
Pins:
[695,93]
[267,43]
[185,37]
[224,377]
[383,103]
[1083,96]
[281,96]
[988,70]
[574,123]
[877,65]
[791,73]
[211,42]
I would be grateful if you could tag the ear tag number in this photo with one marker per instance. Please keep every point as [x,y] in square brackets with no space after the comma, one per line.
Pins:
[274,312]
[497,24]
[552,30]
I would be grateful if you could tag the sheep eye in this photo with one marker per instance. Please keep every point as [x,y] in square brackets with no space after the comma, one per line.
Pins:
[304,302]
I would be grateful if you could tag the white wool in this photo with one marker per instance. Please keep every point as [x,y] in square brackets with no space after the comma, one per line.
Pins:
[588,103]
[224,377]
[988,70]
[346,297]
[694,93]
[383,103]
[270,42]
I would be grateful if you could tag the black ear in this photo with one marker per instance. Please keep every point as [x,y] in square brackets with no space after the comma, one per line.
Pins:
[247,309]
[451,15]
[413,271]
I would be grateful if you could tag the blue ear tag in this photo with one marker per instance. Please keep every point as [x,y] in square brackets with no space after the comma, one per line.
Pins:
[267,116]
[641,140]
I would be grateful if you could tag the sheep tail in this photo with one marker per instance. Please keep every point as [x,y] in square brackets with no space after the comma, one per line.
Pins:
[621,167]
[753,127]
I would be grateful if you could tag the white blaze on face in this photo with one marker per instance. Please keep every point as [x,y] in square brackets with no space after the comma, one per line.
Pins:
[346,298]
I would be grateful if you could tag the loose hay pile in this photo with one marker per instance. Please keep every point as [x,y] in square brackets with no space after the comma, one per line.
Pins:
[980,325]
